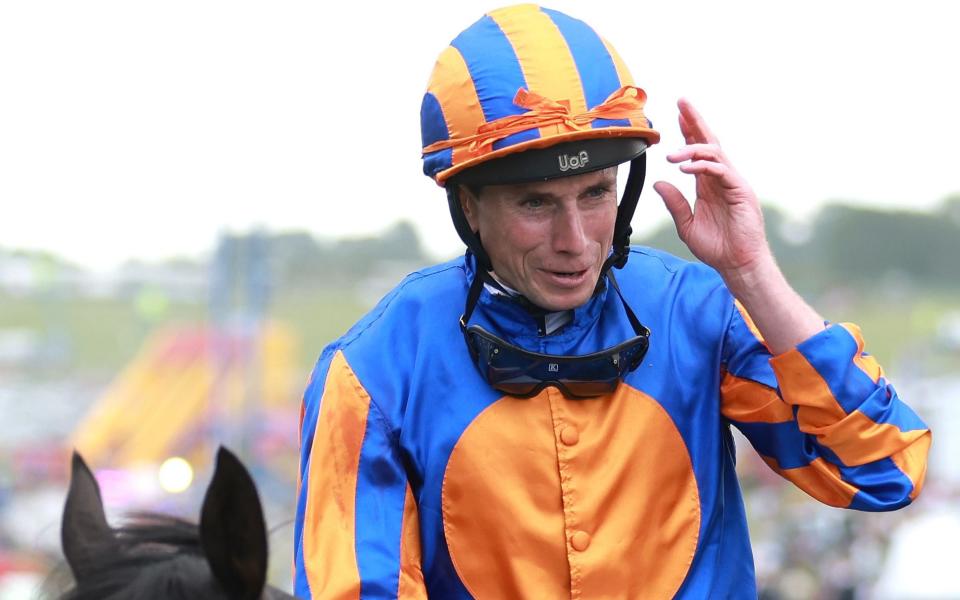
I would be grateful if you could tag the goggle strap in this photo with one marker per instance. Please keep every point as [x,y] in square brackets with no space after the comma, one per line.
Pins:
[628,206]
[469,237]
[638,327]
[473,296]
[628,203]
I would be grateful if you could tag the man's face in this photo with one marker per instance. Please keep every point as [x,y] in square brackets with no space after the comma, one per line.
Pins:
[547,240]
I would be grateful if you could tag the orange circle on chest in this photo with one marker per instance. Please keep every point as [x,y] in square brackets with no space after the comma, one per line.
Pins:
[548,497]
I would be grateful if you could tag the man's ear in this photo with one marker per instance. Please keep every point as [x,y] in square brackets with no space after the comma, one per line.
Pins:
[468,203]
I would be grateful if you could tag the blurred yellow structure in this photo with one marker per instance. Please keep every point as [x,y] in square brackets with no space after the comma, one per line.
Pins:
[184,384]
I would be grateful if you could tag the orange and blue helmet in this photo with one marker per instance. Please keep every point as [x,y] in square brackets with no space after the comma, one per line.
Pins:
[527,78]
[525,94]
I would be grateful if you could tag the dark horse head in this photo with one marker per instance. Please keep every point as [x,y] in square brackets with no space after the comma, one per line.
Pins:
[163,557]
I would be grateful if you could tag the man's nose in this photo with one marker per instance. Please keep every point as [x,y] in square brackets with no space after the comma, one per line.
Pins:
[568,234]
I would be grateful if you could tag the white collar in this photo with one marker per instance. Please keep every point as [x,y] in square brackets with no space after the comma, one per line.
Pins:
[552,321]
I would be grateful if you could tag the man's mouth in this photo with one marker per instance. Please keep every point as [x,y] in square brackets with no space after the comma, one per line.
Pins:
[569,279]
[570,274]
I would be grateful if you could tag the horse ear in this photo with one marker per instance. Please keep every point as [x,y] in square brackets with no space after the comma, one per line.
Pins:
[232,529]
[84,532]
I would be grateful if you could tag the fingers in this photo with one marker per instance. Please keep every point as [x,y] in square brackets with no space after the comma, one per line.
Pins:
[705,167]
[697,152]
[686,130]
[702,149]
[702,155]
[693,126]
[677,206]
[705,159]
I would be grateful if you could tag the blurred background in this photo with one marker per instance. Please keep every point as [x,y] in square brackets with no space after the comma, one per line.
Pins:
[198,196]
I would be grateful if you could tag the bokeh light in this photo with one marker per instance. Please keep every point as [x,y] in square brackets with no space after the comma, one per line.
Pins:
[175,475]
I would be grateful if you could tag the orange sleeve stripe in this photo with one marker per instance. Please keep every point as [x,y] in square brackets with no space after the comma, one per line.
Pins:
[802,386]
[544,56]
[303,412]
[912,460]
[859,440]
[867,364]
[747,401]
[412,586]
[750,324]
[820,479]
[329,521]
[855,438]
[460,103]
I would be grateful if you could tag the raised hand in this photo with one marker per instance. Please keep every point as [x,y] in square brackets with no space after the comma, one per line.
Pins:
[724,228]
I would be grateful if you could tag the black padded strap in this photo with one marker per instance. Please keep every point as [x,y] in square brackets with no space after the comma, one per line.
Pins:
[638,327]
[469,237]
[472,297]
[628,206]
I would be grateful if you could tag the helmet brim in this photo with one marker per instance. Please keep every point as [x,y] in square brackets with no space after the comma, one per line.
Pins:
[543,158]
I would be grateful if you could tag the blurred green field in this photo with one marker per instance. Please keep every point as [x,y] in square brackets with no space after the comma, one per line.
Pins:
[318,318]
[85,334]
[102,335]
[904,332]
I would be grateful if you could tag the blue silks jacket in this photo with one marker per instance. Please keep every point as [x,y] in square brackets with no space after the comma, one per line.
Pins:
[417,478]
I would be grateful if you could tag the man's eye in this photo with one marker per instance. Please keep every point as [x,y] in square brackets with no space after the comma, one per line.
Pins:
[533,202]
[597,192]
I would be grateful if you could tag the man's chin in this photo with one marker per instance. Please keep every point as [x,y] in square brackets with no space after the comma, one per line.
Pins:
[567,299]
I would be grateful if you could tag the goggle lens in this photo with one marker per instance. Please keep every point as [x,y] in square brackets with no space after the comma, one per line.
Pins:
[522,373]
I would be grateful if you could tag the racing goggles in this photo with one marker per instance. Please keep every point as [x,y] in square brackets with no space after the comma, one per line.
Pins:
[523,373]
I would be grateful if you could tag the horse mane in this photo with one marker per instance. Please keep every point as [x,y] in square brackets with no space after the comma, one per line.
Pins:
[152,555]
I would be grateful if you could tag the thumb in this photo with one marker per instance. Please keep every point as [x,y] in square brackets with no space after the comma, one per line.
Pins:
[677,205]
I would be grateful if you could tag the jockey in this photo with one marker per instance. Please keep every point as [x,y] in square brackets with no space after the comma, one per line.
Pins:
[548,416]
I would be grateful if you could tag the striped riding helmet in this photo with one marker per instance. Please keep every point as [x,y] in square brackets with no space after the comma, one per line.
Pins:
[529,94]
[523,79]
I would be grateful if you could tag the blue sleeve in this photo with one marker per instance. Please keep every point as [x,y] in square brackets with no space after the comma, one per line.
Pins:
[823,416]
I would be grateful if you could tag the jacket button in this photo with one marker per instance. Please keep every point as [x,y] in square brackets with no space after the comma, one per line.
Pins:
[580,541]
[569,435]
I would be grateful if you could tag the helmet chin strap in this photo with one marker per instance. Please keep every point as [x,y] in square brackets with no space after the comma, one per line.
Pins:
[621,229]
[467,234]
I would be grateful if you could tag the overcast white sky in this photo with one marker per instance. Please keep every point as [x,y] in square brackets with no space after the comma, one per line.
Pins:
[142,129]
